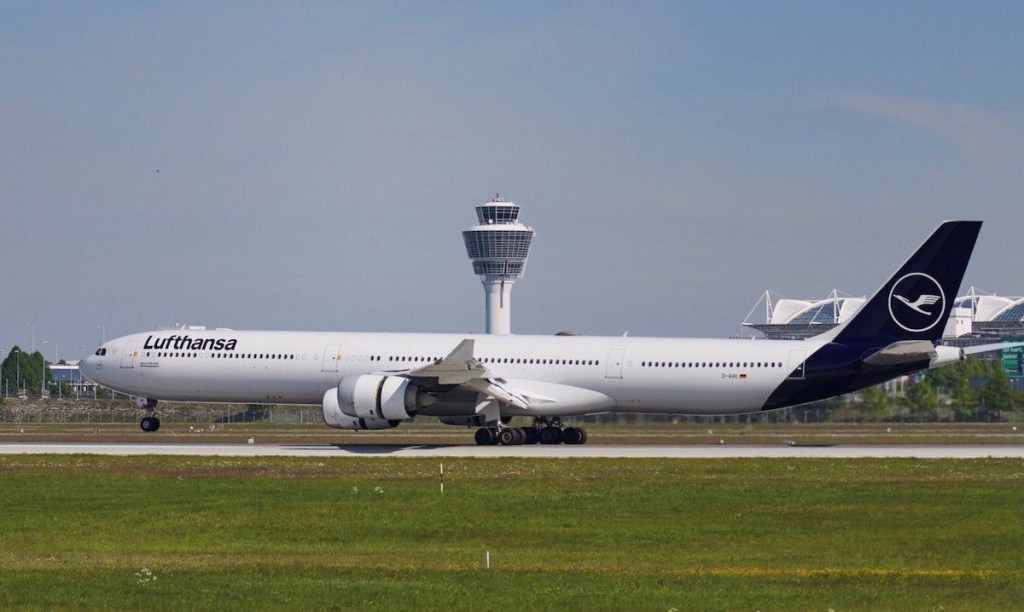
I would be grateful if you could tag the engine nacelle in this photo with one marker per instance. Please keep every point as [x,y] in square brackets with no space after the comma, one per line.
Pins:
[334,417]
[378,396]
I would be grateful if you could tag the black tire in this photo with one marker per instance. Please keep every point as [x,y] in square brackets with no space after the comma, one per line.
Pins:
[532,435]
[583,435]
[485,437]
[149,424]
[572,435]
[507,436]
[551,435]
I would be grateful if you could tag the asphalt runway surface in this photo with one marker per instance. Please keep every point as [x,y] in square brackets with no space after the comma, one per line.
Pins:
[526,451]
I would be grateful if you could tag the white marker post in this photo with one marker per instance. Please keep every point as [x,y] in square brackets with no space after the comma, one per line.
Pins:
[442,479]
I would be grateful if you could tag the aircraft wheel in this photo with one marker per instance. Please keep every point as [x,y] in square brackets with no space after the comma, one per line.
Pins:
[583,435]
[508,437]
[149,424]
[551,435]
[532,435]
[486,436]
[573,435]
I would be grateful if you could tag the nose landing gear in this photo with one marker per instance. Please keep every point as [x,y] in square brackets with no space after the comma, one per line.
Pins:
[149,423]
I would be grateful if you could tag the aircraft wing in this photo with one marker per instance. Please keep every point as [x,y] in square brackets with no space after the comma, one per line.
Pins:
[456,369]
[461,369]
[500,390]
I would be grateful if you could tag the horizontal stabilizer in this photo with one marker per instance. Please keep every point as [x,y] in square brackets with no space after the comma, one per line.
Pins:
[907,351]
[988,348]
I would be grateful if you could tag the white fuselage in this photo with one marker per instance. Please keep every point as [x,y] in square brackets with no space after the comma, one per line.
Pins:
[638,374]
[377,380]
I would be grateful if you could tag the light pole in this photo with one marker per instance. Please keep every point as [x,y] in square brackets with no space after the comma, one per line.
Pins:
[55,360]
[45,342]
[103,333]
[18,381]
[32,327]
[78,383]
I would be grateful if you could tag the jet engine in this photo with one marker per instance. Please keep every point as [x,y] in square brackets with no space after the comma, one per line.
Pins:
[334,417]
[378,396]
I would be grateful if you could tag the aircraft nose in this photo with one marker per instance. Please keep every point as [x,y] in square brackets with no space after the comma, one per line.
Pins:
[89,365]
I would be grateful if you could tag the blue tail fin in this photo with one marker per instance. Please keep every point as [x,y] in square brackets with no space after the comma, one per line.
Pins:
[915,303]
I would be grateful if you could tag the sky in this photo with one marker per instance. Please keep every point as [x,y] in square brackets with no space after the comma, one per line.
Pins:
[310,166]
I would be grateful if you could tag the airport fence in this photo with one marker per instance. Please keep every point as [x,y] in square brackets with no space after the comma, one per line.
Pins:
[123,411]
[119,412]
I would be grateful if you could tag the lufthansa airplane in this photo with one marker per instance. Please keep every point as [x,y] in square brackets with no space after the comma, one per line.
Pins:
[377,380]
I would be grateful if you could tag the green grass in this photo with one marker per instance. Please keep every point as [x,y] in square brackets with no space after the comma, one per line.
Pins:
[239,533]
[56,429]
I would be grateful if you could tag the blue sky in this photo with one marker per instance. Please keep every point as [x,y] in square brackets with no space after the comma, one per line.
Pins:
[311,166]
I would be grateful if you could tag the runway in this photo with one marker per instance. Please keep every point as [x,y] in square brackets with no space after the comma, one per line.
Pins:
[525,452]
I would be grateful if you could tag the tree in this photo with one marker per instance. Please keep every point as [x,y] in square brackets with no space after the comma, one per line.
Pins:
[32,369]
[965,400]
[922,399]
[877,404]
[9,368]
[999,395]
[15,369]
[945,378]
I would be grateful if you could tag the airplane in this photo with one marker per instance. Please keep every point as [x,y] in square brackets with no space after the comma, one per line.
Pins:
[374,381]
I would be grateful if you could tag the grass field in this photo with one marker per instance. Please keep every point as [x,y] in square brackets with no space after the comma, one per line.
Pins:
[233,533]
[434,433]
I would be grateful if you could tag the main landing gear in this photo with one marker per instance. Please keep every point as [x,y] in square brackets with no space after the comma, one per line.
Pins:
[542,431]
[149,423]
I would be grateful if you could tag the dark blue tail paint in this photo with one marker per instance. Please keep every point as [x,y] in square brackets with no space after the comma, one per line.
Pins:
[913,305]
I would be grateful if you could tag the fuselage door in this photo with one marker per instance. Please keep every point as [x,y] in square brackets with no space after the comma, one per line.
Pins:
[332,355]
[614,367]
[797,359]
[131,350]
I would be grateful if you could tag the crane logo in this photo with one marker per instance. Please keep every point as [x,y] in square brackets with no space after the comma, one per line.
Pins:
[924,300]
[916,302]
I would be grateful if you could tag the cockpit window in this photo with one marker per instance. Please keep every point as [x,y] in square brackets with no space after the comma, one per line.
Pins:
[100,352]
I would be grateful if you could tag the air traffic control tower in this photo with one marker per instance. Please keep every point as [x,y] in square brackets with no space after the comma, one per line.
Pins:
[498,248]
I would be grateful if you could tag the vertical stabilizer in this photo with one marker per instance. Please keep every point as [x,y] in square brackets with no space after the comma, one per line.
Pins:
[915,302]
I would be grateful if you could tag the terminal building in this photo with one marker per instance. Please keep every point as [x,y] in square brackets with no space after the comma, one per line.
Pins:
[67,376]
[976,318]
